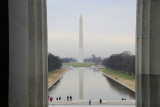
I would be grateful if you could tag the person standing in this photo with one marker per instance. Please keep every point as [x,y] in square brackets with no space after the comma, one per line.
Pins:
[67,98]
[100,101]
[48,97]
[51,98]
[90,102]
[70,98]
[59,98]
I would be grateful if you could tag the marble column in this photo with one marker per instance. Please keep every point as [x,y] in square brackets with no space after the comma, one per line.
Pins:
[18,53]
[28,54]
[148,53]
[38,54]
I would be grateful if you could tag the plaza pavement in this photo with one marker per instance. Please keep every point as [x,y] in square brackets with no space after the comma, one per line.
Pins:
[95,103]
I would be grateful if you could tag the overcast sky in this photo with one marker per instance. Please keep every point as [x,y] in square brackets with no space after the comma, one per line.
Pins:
[108,27]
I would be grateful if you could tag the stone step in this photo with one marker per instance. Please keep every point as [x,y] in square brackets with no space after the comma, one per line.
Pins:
[93,102]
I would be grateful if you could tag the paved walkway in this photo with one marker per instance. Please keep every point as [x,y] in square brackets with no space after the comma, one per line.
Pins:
[91,106]
[94,102]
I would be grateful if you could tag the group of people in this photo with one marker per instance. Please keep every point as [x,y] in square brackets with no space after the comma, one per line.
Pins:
[59,98]
[123,98]
[69,97]
[100,101]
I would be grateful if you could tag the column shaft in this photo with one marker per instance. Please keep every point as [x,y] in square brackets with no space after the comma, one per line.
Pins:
[38,54]
[18,53]
[148,53]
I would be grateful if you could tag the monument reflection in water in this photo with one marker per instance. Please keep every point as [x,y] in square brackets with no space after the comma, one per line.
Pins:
[81,85]
[85,83]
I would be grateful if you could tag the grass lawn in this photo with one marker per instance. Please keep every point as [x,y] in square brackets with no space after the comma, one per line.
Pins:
[121,77]
[54,75]
[86,64]
[54,71]
[118,74]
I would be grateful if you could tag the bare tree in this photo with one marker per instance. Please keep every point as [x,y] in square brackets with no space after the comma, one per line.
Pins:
[54,62]
[123,62]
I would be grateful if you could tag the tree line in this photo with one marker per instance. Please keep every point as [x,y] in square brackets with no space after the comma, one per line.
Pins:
[54,62]
[123,62]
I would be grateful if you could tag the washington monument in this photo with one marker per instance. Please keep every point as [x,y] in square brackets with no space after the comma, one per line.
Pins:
[80,39]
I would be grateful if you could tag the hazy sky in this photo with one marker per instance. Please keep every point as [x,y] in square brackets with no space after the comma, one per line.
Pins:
[108,27]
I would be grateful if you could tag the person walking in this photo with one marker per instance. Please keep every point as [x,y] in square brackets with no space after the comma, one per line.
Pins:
[59,98]
[90,102]
[67,98]
[70,98]
[51,98]
[100,101]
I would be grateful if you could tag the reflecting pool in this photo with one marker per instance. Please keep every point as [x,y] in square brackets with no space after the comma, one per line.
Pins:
[86,83]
